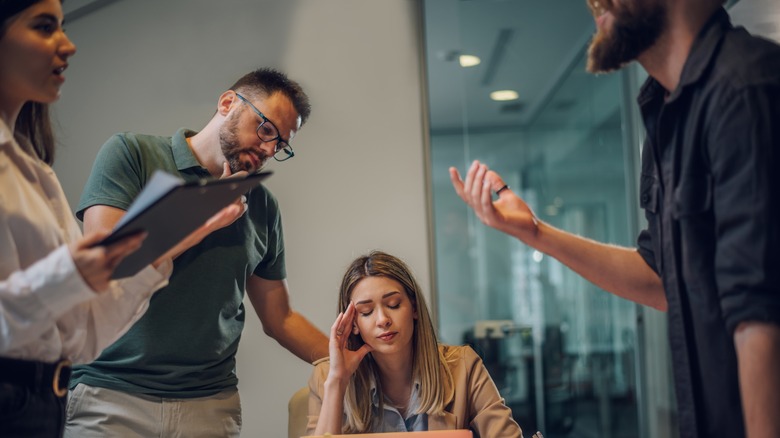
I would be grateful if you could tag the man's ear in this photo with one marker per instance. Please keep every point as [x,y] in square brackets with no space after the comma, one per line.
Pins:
[226,102]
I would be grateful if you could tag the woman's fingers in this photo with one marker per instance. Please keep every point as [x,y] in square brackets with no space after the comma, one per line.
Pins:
[345,326]
[342,326]
[115,252]
[96,263]
[92,238]
[334,329]
[363,351]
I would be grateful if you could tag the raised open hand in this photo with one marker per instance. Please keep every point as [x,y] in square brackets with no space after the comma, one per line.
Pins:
[509,213]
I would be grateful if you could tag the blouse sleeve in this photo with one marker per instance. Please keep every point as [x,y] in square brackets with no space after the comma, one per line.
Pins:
[31,298]
[47,310]
[98,323]
[490,416]
[316,391]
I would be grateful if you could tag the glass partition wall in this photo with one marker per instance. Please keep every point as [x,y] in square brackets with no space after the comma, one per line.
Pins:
[569,358]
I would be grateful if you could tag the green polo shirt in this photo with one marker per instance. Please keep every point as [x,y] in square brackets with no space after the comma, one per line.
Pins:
[185,344]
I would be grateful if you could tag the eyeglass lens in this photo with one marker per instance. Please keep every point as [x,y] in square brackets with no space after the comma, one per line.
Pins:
[267,131]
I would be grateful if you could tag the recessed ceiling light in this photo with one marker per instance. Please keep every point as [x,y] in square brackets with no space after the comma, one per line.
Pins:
[469,60]
[502,95]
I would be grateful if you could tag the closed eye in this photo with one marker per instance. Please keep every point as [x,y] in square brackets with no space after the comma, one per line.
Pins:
[365,309]
[266,129]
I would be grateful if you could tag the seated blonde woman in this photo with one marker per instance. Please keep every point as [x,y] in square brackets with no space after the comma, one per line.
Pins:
[387,371]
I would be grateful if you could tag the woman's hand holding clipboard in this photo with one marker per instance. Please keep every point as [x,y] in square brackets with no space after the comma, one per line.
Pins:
[177,215]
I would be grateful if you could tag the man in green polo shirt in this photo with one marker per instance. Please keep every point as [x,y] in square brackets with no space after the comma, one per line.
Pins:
[174,370]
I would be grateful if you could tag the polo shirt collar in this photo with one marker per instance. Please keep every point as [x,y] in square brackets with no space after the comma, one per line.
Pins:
[182,154]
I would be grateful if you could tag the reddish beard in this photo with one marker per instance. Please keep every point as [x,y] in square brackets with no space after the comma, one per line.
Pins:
[231,147]
[635,28]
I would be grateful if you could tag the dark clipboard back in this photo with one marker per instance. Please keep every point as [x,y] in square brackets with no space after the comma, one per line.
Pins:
[169,209]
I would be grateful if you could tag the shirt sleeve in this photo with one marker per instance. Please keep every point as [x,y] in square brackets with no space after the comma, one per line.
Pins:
[31,298]
[47,310]
[116,178]
[645,249]
[53,290]
[272,266]
[744,146]
[649,199]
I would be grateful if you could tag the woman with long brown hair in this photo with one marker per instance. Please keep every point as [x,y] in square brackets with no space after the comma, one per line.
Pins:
[57,303]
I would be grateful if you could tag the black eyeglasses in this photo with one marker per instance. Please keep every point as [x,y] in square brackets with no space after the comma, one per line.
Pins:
[267,132]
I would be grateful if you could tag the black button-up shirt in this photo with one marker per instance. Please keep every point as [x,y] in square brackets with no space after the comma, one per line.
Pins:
[710,188]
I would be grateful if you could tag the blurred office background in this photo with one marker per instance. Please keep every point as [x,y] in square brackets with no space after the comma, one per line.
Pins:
[507,86]
[393,109]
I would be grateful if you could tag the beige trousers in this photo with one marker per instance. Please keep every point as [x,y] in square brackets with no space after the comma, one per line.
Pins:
[105,413]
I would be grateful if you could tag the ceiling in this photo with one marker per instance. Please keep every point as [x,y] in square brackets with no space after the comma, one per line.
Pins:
[525,45]
[529,46]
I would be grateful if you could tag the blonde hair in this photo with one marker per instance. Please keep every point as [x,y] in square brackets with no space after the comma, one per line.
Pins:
[429,368]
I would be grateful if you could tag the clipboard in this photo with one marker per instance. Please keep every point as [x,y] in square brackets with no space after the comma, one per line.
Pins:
[169,209]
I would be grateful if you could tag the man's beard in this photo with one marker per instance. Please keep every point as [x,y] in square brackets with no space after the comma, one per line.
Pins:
[635,28]
[231,148]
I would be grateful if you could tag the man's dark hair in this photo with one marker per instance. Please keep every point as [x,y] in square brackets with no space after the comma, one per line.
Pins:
[267,81]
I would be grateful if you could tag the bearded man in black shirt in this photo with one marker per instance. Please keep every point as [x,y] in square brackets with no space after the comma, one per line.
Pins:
[710,189]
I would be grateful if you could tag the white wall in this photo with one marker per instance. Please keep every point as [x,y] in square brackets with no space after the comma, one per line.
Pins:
[760,17]
[357,181]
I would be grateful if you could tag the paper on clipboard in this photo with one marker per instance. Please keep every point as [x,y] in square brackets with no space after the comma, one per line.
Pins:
[169,209]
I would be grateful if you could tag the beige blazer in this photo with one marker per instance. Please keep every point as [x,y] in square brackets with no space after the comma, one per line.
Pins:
[476,403]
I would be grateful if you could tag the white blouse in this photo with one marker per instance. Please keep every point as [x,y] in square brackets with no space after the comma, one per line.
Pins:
[47,311]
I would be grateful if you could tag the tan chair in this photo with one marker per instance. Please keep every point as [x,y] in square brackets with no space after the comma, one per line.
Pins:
[298,413]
